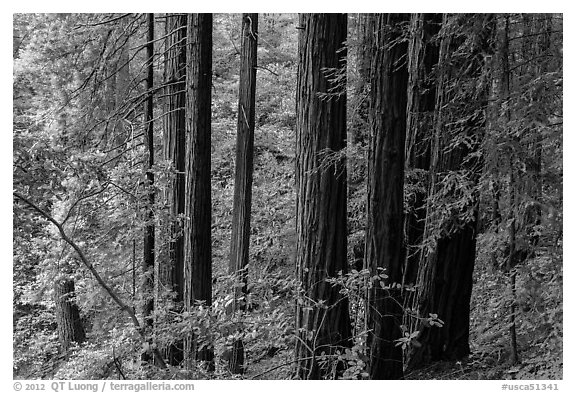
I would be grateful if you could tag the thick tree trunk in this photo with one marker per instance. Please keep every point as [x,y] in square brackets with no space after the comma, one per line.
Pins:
[70,328]
[172,273]
[239,248]
[322,316]
[445,274]
[422,58]
[149,228]
[384,234]
[198,209]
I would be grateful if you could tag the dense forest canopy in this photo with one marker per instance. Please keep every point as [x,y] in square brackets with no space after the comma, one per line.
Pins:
[287,196]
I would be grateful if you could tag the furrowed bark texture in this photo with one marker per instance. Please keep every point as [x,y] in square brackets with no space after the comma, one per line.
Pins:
[445,273]
[198,209]
[422,58]
[321,191]
[384,234]
[239,248]
[70,328]
[172,273]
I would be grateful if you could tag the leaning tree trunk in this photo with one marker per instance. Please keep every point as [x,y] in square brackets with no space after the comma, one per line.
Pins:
[384,233]
[239,248]
[172,271]
[198,209]
[322,316]
[444,282]
[70,328]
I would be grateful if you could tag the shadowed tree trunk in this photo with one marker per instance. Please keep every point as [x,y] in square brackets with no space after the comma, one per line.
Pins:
[172,274]
[70,328]
[364,51]
[384,233]
[198,209]
[445,273]
[149,228]
[423,57]
[239,248]
[322,316]
[506,116]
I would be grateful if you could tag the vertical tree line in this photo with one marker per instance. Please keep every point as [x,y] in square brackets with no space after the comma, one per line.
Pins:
[444,111]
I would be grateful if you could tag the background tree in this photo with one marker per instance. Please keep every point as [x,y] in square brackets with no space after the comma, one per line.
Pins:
[70,327]
[174,145]
[239,248]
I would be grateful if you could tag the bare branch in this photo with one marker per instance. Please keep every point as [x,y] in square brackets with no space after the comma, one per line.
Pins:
[123,306]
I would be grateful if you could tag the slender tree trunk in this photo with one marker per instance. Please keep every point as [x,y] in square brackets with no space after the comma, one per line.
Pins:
[384,234]
[172,274]
[322,316]
[70,327]
[198,209]
[149,228]
[239,248]
[505,86]
[533,214]
[122,91]
[444,281]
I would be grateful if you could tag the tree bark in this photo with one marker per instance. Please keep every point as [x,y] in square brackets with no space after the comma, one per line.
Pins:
[239,248]
[149,228]
[512,214]
[70,327]
[198,209]
[322,316]
[445,274]
[385,211]
[172,274]
[421,100]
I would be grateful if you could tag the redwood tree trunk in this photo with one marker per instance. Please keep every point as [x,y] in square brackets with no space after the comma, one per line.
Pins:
[175,152]
[422,58]
[70,328]
[239,248]
[198,209]
[445,274]
[384,233]
[322,315]
[149,228]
